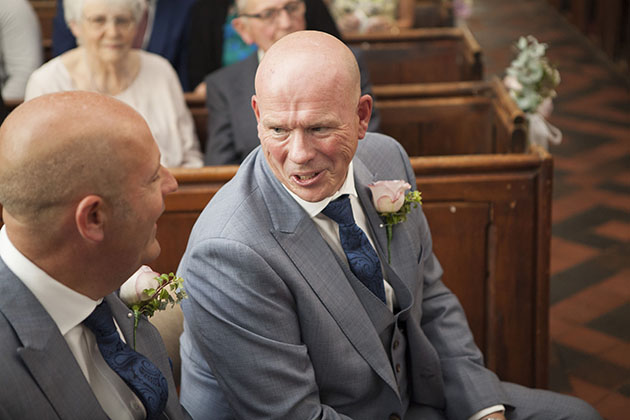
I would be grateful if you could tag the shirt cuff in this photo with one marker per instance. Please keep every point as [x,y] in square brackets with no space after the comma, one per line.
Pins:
[494,409]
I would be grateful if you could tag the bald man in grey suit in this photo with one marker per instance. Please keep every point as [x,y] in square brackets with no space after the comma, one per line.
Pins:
[281,323]
[82,188]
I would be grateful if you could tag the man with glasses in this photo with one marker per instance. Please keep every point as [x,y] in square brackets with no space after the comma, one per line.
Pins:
[232,130]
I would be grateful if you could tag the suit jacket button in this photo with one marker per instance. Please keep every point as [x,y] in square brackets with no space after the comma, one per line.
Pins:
[397,367]
[396,344]
[394,417]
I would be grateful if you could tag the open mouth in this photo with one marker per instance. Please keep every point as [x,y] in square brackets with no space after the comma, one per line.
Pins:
[305,180]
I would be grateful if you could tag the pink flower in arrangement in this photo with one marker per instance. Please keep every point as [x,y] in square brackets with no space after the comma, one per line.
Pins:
[389,196]
[132,291]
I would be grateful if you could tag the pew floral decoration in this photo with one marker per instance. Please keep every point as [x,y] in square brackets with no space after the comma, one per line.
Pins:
[393,205]
[147,291]
[531,81]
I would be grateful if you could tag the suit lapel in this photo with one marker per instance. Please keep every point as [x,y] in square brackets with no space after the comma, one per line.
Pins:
[44,351]
[298,236]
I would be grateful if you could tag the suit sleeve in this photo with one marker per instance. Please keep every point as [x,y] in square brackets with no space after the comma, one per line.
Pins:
[220,148]
[247,307]
[468,385]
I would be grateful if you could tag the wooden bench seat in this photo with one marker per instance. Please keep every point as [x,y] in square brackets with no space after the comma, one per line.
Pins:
[452,118]
[420,55]
[490,221]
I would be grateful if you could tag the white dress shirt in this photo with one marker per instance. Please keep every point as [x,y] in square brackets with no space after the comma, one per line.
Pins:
[68,309]
[330,232]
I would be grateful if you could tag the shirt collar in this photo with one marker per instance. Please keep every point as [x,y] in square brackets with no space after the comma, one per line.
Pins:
[65,306]
[314,208]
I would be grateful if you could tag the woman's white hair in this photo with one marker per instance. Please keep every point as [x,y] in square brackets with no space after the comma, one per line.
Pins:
[73,9]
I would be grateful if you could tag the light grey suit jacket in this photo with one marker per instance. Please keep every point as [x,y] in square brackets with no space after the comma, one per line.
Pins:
[40,377]
[232,131]
[273,316]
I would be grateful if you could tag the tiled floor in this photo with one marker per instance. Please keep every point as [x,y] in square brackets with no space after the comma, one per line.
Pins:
[590,249]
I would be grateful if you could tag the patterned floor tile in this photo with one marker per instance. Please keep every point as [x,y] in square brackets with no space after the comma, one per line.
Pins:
[590,393]
[582,365]
[579,228]
[614,323]
[614,407]
[577,278]
[615,229]
[587,340]
[588,304]
[565,254]
[619,355]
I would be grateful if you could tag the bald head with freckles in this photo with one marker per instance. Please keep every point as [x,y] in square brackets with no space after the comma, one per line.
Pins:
[57,147]
[310,112]
[309,59]
[82,187]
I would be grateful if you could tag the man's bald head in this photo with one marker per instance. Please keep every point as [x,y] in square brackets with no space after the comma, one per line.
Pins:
[57,148]
[309,59]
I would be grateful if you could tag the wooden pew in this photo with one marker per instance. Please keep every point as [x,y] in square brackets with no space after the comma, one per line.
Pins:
[421,55]
[490,219]
[197,106]
[433,119]
[452,118]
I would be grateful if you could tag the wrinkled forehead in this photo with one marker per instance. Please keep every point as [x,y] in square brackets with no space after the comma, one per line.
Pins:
[302,72]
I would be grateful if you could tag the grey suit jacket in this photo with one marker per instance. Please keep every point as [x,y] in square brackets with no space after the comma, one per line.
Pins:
[40,377]
[232,131]
[273,316]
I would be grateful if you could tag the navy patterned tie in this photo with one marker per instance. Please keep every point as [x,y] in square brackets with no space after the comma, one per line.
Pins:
[362,258]
[138,372]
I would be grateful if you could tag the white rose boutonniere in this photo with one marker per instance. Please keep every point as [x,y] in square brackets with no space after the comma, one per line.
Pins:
[393,205]
[147,291]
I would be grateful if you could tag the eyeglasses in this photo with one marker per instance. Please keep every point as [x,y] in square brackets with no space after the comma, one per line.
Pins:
[293,9]
[99,22]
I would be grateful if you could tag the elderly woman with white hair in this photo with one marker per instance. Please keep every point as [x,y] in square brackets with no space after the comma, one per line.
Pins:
[105,62]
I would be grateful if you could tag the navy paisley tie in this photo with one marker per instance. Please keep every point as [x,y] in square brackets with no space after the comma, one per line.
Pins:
[138,372]
[362,258]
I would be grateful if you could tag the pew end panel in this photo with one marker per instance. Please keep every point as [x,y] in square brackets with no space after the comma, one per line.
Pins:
[490,217]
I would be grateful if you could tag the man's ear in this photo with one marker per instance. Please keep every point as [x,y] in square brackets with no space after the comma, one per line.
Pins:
[364,111]
[255,108]
[240,25]
[90,218]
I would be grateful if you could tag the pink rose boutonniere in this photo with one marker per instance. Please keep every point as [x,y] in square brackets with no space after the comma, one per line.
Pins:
[147,291]
[393,205]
